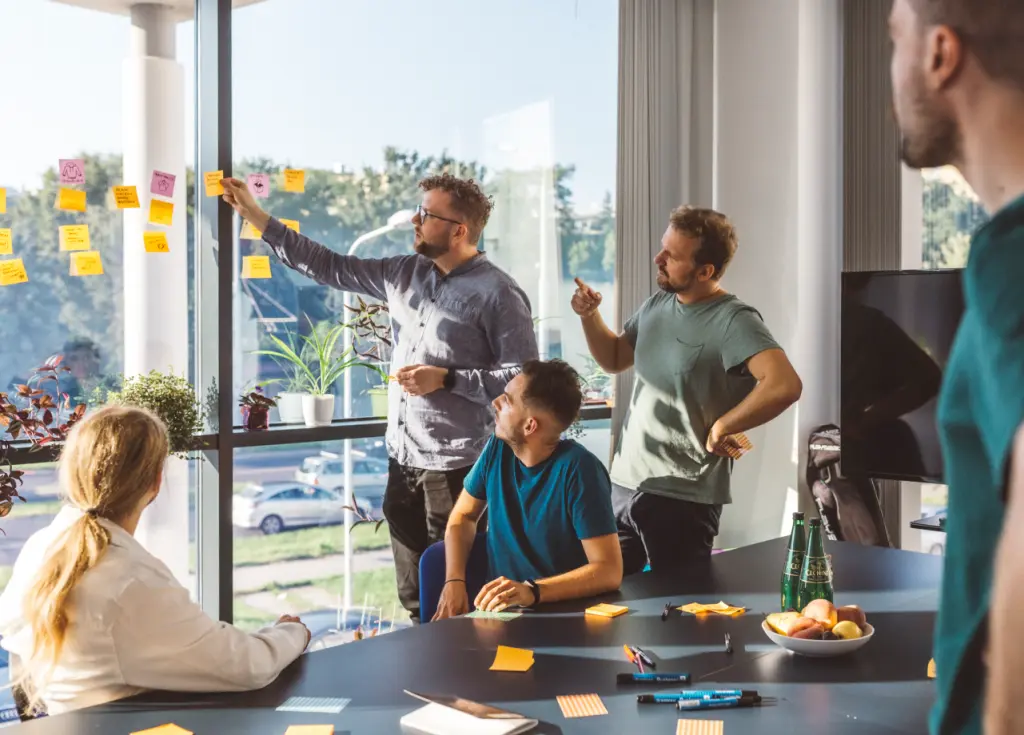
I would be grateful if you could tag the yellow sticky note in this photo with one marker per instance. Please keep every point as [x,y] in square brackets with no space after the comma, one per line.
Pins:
[512,659]
[86,263]
[607,611]
[156,242]
[294,180]
[164,730]
[6,241]
[249,232]
[3,200]
[126,197]
[160,212]
[256,266]
[70,200]
[931,669]
[212,180]
[12,272]
[291,224]
[700,727]
[74,237]
[310,730]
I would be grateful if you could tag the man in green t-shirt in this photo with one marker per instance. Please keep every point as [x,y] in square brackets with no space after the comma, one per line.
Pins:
[958,88]
[707,368]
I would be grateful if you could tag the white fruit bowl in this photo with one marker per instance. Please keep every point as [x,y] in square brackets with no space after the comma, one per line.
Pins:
[819,649]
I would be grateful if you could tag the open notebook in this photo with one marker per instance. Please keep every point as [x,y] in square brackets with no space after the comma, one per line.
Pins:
[457,716]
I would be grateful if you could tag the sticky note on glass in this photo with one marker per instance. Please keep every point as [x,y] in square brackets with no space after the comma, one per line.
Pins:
[581,705]
[164,730]
[70,200]
[160,212]
[931,669]
[484,615]
[72,171]
[605,610]
[162,184]
[212,180]
[156,242]
[249,232]
[256,266]
[6,241]
[512,659]
[310,730]
[294,180]
[86,263]
[74,237]
[700,727]
[3,200]
[291,224]
[126,197]
[12,272]
[259,185]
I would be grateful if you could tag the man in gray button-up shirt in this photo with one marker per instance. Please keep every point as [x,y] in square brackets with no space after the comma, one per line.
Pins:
[461,330]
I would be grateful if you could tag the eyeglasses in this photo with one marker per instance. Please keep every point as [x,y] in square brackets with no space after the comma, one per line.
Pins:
[423,214]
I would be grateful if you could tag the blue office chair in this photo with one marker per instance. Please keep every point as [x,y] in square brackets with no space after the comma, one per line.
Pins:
[432,574]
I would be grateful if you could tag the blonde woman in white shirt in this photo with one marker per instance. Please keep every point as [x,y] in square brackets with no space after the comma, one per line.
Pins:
[90,616]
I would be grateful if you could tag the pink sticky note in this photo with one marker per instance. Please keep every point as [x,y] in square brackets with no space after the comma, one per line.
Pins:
[162,184]
[259,185]
[72,171]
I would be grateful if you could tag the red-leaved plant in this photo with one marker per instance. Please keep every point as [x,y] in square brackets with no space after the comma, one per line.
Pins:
[39,420]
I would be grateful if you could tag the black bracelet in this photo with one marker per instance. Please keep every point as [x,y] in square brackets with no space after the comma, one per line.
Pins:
[454,580]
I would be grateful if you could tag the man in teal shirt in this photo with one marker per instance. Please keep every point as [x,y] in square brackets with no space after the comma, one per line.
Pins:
[958,84]
[707,368]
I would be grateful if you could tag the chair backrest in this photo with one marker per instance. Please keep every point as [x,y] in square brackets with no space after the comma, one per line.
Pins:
[432,574]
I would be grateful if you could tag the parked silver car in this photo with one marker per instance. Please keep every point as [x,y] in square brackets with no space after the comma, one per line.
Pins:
[327,470]
[274,506]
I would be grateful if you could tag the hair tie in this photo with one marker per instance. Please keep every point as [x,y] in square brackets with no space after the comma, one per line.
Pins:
[92,512]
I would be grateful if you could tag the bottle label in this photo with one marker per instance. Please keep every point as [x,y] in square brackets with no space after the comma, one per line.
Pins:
[796,564]
[817,571]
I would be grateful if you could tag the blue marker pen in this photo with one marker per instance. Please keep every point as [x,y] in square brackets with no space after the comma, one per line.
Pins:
[725,702]
[652,676]
[696,694]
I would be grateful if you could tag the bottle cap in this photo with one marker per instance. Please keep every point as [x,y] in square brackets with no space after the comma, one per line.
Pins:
[815,521]
[798,516]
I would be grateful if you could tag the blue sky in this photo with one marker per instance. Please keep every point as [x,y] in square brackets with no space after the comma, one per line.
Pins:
[329,83]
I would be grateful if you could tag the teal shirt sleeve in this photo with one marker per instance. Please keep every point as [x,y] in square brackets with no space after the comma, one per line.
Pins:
[591,498]
[476,481]
[746,336]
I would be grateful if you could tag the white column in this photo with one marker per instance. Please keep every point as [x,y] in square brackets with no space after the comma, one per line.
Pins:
[156,285]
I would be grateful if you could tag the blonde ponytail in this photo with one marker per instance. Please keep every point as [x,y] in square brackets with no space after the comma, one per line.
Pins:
[113,458]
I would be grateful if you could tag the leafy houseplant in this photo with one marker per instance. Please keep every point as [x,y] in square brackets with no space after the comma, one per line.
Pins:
[371,323]
[289,399]
[256,410]
[172,398]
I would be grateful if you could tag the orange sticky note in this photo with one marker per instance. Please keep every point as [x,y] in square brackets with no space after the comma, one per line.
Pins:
[70,200]
[310,730]
[212,180]
[256,266]
[169,729]
[86,263]
[3,200]
[581,705]
[512,659]
[126,197]
[294,180]
[607,611]
[291,224]
[700,727]
[74,237]
[156,242]
[931,669]
[249,232]
[6,241]
[12,272]
[160,212]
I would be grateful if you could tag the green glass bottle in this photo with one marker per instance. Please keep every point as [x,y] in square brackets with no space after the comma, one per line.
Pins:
[794,564]
[816,576]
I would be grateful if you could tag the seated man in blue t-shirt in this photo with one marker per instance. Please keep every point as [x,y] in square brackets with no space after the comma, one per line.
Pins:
[551,530]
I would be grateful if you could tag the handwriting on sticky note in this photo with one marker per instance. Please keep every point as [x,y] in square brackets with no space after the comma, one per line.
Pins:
[155,242]
[512,659]
[256,266]
[310,730]
[3,200]
[74,237]
[12,272]
[72,171]
[70,200]
[162,184]
[170,729]
[160,212]
[87,263]
[291,224]
[126,197]
[249,232]
[212,180]
[6,241]
[294,180]
[259,185]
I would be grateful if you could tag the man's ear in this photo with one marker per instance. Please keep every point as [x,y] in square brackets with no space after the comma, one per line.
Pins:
[531,426]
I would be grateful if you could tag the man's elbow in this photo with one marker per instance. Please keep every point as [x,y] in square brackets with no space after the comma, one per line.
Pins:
[611,574]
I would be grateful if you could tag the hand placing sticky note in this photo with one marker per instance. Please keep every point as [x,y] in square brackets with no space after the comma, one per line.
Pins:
[256,266]
[126,197]
[74,237]
[160,212]
[249,232]
[291,224]
[212,180]
[294,180]
[310,730]
[70,200]
[72,171]
[259,185]
[605,610]
[162,184]
[86,263]
[512,659]
[164,730]
[6,241]
[12,272]
[155,242]
[3,200]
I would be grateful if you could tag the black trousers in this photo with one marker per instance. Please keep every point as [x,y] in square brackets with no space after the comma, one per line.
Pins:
[664,532]
[417,504]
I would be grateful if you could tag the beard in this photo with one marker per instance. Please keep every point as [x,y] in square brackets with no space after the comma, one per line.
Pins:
[514,436]
[931,137]
[431,250]
[668,286]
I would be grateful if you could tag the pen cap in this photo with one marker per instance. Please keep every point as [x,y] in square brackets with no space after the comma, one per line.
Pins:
[625,679]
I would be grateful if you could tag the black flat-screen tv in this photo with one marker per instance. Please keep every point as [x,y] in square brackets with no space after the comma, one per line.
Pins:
[897,329]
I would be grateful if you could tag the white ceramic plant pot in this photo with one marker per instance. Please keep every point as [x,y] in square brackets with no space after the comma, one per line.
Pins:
[318,410]
[289,407]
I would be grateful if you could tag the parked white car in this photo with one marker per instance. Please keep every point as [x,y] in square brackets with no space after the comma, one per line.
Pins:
[275,506]
[327,470]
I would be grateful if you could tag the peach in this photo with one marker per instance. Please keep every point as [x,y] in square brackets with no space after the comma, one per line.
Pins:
[794,625]
[852,613]
[821,611]
[812,633]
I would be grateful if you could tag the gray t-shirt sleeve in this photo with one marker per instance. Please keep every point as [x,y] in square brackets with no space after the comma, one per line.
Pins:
[632,327]
[746,336]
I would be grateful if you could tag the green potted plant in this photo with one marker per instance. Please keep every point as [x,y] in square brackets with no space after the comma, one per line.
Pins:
[256,410]
[172,398]
[371,324]
[294,382]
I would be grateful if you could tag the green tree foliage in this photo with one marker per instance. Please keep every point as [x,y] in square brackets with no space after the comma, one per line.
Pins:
[951,215]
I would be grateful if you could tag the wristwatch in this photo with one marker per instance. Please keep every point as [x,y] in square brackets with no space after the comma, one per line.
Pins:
[449,379]
[535,588]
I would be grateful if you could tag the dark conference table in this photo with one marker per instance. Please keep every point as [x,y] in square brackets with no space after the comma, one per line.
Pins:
[883,688]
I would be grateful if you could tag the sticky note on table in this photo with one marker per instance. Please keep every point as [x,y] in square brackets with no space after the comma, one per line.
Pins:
[581,705]
[512,659]
[259,185]
[72,171]
[70,200]
[605,610]
[6,241]
[12,272]
[126,197]
[162,184]
[160,212]
[3,200]
[86,263]
[700,727]
[256,266]
[316,705]
[249,232]
[484,615]
[310,730]
[294,180]
[164,730]
[291,224]
[74,237]
[156,242]
[212,181]
[721,608]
